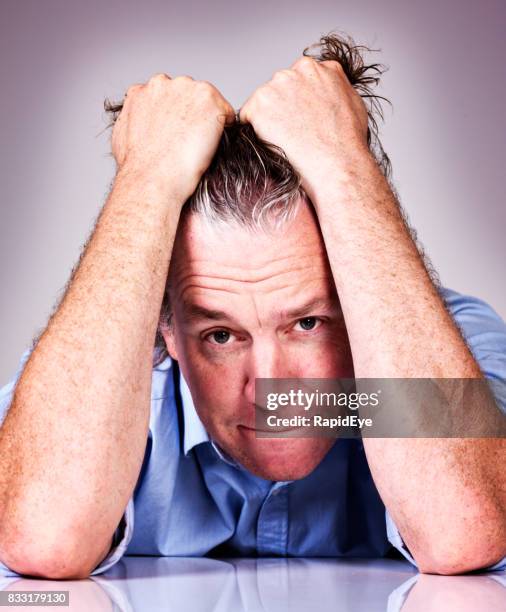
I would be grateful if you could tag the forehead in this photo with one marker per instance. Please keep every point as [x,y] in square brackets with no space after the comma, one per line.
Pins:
[213,258]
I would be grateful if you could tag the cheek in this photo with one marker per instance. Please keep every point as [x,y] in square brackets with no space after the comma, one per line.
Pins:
[328,356]
[338,349]
[209,369]
[216,384]
[325,362]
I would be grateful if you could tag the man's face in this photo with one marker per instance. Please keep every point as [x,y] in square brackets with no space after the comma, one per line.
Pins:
[250,305]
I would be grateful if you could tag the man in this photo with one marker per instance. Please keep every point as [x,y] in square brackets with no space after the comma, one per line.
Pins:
[270,277]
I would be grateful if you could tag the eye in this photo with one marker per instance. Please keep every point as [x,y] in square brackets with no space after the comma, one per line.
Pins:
[308,323]
[220,336]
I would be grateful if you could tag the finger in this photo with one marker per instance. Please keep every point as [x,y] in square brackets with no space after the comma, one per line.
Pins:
[133,88]
[230,115]
[229,120]
[304,64]
[280,75]
[161,77]
[117,109]
[244,112]
[333,65]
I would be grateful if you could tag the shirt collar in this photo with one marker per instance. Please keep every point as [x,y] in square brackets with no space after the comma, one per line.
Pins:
[195,433]
[194,430]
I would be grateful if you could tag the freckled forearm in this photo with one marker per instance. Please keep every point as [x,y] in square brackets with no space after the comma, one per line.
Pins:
[447,498]
[398,327]
[73,440]
[381,278]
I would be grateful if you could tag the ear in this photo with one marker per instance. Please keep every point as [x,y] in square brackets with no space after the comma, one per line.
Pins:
[167,332]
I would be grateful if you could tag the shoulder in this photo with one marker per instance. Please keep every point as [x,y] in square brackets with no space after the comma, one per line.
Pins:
[481,326]
[485,334]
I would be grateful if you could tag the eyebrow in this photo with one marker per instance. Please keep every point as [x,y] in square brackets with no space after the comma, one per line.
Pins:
[193,311]
[302,311]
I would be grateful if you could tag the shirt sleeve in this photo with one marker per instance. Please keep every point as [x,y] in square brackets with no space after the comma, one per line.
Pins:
[6,395]
[485,334]
[7,391]
[123,533]
[121,539]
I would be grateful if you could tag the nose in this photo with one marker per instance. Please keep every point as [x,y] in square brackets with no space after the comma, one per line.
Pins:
[267,359]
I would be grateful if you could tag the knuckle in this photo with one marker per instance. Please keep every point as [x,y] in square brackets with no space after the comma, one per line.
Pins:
[334,64]
[262,97]
[283,74]
[160,77]
[205,85]
[261,94]
[134,89]
[206,88]
[183,79]
[306,62]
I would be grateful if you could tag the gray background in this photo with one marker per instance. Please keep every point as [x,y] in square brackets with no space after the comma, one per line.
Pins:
[59,59]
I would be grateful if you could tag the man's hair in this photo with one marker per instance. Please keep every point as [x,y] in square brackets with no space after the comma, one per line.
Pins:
[250,181]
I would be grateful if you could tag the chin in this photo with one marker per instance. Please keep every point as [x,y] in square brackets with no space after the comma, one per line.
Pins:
[276,473]
[281,458]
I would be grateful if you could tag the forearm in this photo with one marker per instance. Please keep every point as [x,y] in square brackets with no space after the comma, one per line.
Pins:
[73,441]
[446,496]
[381,278]
[397,324]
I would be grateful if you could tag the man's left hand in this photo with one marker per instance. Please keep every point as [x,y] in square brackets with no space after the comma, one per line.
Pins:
[314,114]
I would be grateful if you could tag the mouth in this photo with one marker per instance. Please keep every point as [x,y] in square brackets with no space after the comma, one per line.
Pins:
[271,430]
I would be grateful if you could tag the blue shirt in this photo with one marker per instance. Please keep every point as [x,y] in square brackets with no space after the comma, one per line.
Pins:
[191,499]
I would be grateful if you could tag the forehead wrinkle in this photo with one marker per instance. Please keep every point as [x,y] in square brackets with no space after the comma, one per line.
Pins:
[250,280]
[300,260]
[324,278]
[323,299]
[197,286]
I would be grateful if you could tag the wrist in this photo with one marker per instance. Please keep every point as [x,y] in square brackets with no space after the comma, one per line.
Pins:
[157,183]
[334,174]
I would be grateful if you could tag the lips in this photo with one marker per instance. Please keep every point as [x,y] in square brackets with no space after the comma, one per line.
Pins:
[270,430]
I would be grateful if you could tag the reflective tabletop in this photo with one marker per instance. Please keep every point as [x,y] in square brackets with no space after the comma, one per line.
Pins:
[270,584]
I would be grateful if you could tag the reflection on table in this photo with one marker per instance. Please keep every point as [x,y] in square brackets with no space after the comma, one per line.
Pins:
[272,585]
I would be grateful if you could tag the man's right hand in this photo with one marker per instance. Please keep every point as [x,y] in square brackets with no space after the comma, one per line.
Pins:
[171,127]
[73,441]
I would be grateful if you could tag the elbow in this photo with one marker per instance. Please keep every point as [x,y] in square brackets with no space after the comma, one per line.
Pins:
[459,543]
[48,564]
[51,549]
[50,568]
[63,558]
[461,558]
